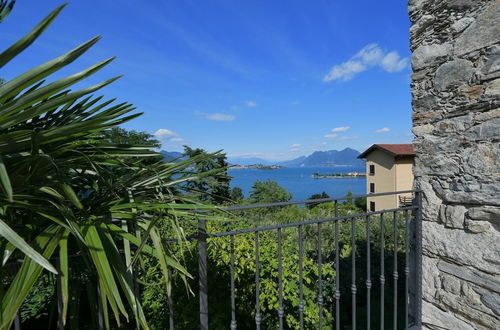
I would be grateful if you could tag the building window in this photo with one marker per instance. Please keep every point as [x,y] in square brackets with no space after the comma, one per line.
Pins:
[372,169]
[372,206]
[372,188]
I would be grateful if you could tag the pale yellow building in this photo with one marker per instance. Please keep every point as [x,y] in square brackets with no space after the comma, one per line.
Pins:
[388,168]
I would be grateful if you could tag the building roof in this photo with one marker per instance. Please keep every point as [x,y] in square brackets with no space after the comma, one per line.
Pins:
[396,150]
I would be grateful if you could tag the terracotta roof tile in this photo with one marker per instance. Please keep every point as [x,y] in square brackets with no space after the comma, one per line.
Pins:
[393,149]
[398,149]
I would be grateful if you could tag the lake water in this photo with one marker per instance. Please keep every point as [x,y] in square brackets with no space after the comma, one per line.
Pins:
[299,181]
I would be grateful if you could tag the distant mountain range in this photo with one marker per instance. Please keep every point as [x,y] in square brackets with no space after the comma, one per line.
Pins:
[346,157]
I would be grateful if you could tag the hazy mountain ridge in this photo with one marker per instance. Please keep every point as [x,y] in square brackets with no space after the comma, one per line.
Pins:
[346,157]
[329,158]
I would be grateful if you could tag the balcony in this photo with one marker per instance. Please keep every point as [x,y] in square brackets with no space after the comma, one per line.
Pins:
[344,270]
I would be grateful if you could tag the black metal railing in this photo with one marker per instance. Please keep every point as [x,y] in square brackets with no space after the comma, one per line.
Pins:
[342,299]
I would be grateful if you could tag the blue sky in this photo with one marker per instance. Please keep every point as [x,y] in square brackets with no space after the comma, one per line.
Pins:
[270,79]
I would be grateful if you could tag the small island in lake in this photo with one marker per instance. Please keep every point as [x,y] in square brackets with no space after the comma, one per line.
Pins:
[256,166]
[338,175]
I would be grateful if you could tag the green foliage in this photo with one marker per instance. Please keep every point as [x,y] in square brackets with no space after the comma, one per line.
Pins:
[118,135]
[5,8]
[316,196]
[41,295]
[69,193]
[214,188]
[186,304]
[360,203]
[236,194]
[268,192]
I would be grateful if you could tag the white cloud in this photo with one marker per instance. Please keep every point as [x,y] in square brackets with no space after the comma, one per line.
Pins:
[345,71]
[216,116]
[350,137]
[369,56]
[163,133]
[383,130]
[341,129]
[295,147]
[250,104]
[337,137]
[219,117]
[177,139]
[393,63]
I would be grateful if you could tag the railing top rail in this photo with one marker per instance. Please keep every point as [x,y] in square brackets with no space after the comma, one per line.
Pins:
[296,224]
[309,222]
[314,201]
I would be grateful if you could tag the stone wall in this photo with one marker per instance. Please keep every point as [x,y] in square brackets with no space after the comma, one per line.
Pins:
[456,121]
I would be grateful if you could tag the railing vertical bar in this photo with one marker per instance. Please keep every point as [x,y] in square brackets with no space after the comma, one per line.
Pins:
[233,304]
[407,265]
[100,308]
[320,280]
[60,316]
[368,274]
[395,271]
[258,318]
[280,281]
[202,273]
[337,271]
[170,303]
[301,284]
[353,271]
[382,270]
[17,322]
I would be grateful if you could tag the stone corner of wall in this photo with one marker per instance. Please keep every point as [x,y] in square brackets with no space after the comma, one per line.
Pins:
[456,122]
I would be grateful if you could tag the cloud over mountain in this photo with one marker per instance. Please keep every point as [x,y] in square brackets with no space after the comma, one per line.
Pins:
[368,57]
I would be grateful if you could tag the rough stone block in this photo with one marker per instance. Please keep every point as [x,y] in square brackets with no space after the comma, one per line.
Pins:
[426,117]
[491,67]
[490,300]
[493,88]
[451,284]
[430,277]
[485,213]
[461,24]
[482,279]
[485,31]
[454,216]
[472,250]
[471,92]
[432,316]
[430,209]
[422,23]
[486,130]
[458,4]
[453,74]
[477,226]
[426,55]
[487,115]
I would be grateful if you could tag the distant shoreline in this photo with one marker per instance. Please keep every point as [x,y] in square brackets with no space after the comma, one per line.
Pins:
[338,175]
[255,166]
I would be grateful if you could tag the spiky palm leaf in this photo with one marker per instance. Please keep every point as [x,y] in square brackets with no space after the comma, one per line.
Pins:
[64,189]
